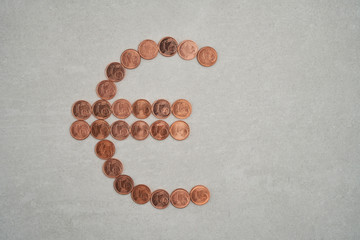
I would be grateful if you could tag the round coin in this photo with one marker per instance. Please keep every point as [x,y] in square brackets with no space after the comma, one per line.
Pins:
[168,46]
[81,110]
[120,130]
[140,130]
[105,149]
[199,195]
[141,194]
[148,49]
[115,72]
[121,108]
[112,168]
[79,130]
[187,49]
[141,108]
[181,109]
[106,89]
[159,130]
[100,129]
[123,184]
[179,130]
[160,199]
[161,108]
[180,198]
[207,56]
[130,59]
[101,109]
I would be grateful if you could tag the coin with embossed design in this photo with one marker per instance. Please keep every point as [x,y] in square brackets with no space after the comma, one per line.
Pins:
[121,108]
[148,49]
[80,130]
[105,149]
[130,59]
[180,198]
[179,130]
[101,109]
[159,130]
[112,168]
[106,89]
[115,72]
[181,109]
[207,56]
[161,108]
[123,184]
[160,199]
[187,49]
[199,195]
[100,129]
[141,108]
[140,130]
[81,110]
[120,130]
[168,46]
[141,194]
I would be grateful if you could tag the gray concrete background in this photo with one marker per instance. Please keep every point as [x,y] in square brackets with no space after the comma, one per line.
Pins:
[274,130]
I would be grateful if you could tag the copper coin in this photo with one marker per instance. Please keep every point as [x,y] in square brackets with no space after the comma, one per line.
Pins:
[141,108]
[187,49]
[168,46]
[161,108]
[80,130]
[123,184]
[106,89]
[148,49]
[121,108]
[207,56]
[159,130]
[160,199]
[180,198]
[105,149]
[199,195]
[179,130]
[181,109]
[130,59]
[140,130]
[120,130]
[141,194]
[112,168]
[100,129]
[101,109]
[81,110]
[115,72]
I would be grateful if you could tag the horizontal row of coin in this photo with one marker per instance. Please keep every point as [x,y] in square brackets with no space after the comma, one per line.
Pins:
[120,130]
[122,109]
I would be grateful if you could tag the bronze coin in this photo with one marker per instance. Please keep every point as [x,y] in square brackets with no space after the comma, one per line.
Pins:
[123,184]
[100,129]
[180,198]
[141,108]
[80,130]
[160,199]
[141,194]
[207,56]
[140,130]
[187,49]
[81,110]
[101,109]
[112,168]
[121,108]
[168,46]
[179,130]
[106,89]
[161,108]
[148,49]
[115,72]
[181,109]
[130,59]
[159,130]
[105,149]
[199,195]
[120,130]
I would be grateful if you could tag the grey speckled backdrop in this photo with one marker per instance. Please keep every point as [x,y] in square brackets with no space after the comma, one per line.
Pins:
[275,129]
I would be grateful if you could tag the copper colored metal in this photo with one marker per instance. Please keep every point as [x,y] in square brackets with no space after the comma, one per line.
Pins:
[130,59]
[148,49]
[121,108]
[106,90]
[105,149]
[180,198]
[161,108]
[101,109]
[79,130]
[115,72]
[160,199]
[159,130]
[199,195]
[187,49]
[179,130]
[141,108]
[207,56]
[112,168]
[140,130]
[100,129]
[81,110]
[168,46]
[123,184]
[181,109]
[141,194]
[120,130]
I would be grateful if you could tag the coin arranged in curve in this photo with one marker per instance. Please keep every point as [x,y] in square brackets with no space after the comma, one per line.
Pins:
[141,108]
[123,184]
[148,49]
[160,199]
[141,194]
[115,72]
[105,149]
[120,130]
[112,168]
[121,108]
[168,46]
[179,130]
[187,49]
[140,130]
[180,198]
[159,130]
[81,110]
[80,130]
[161,109]
[181,109]
[207,56]
[199,195]
[106,90]
[101,109]
[100,129]
[130,59]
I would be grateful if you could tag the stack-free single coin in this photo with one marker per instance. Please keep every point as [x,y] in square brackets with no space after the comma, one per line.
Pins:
[130,59]
[148,49]
[179,130]
[80,130]
[120,130]
[101,109]
[141,108]
[115,72]
[199,195]
[159,130]
[187,49]
[140,130]
[181,109]
[121,108]
[81,110]
[161,109]
[105,149]
[100,129]
[112,168]
[141,194]
[180,198]
[168,46]
[106,89]
[207,56]
[123,184]
[160,199]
